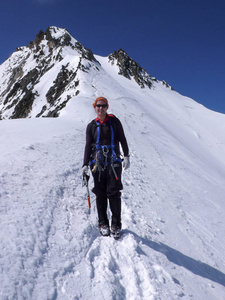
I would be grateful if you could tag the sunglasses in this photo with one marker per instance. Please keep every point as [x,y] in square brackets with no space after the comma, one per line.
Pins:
[101,105]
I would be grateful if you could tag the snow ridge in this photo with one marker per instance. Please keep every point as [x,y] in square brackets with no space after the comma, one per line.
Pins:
[40,79]
[172,241]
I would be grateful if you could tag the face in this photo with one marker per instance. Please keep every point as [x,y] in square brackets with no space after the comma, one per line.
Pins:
[101,109]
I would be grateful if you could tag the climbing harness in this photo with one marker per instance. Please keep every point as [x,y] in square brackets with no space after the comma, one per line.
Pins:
[101,160]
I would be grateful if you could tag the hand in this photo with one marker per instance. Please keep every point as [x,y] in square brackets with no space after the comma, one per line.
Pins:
[85,171]
[85,176]
[126,162]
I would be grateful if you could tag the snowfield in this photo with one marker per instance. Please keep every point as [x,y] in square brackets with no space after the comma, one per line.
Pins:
[173,210]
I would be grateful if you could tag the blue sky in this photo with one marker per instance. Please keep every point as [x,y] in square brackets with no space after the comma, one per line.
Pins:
[179,41]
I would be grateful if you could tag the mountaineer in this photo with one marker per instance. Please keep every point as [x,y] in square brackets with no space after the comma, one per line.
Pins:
[102,155]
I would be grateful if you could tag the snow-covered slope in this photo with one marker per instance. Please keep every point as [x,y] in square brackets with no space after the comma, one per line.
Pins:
[172,244]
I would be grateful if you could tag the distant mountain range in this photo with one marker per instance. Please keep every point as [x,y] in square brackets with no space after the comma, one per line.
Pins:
[38,80]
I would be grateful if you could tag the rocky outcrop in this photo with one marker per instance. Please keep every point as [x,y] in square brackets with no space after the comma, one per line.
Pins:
[130,68]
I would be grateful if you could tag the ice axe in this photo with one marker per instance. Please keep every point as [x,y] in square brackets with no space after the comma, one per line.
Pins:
[85,183]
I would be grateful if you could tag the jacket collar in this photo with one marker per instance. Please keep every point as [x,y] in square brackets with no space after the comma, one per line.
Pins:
[105,120]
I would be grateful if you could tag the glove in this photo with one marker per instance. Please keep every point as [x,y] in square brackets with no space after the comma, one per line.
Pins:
[126,162]
[85,171]
[85,175]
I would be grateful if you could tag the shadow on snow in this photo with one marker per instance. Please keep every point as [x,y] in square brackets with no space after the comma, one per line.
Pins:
[195,266]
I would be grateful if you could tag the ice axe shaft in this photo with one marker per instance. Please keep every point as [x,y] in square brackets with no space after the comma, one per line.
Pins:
[85,183]
[89,202]
[88,195]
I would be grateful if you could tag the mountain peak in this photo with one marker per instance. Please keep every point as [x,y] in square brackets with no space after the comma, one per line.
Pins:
[54,37]
[40,78]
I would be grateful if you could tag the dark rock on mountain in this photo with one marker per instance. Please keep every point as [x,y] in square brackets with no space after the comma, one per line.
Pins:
[129,68]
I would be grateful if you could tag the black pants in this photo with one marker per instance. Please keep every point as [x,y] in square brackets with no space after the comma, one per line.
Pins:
[106,186]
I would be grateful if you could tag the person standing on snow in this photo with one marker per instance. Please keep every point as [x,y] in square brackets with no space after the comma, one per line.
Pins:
[102,154]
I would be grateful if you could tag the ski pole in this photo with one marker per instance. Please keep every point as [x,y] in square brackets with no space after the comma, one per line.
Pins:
[85,183]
